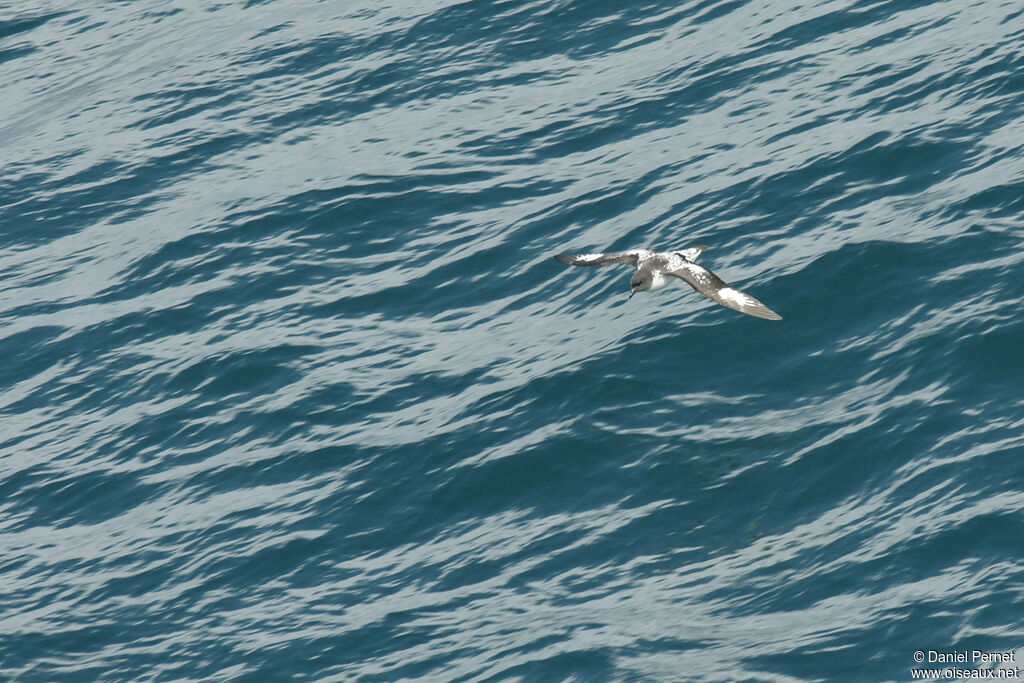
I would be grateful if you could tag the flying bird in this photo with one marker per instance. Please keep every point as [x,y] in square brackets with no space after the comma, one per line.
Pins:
[653,266]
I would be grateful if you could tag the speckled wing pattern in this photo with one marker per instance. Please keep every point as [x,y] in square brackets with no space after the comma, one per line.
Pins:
[691,253]
[628,257]
[713,287]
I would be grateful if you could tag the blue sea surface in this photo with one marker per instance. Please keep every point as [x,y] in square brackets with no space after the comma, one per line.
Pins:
[292,388]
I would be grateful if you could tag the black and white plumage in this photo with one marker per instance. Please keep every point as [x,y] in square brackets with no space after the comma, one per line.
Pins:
[653,266]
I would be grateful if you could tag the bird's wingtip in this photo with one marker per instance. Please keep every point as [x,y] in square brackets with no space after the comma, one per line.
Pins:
[766,313]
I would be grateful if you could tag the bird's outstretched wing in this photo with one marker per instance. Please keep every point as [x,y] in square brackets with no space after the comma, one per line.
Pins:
[628,257]
[692,253]
[713,287]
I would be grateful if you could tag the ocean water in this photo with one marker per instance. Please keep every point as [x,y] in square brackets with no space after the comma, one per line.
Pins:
[293,389]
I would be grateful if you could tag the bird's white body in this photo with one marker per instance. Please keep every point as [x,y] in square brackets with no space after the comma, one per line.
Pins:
[657,281]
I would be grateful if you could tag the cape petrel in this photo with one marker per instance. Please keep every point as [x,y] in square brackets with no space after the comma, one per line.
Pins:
[653,266]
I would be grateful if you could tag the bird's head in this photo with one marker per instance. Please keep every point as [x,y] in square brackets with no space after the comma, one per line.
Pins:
[639,283]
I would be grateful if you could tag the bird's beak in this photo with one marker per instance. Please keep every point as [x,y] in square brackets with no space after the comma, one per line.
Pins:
[631,293]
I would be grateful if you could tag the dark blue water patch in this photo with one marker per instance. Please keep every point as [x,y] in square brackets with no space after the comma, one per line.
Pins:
[15,53]
[889,8]
[1012,15]
[272,563]
[899,88]
[340,100]
[15,484]
[880,165]
[592,565]
[544,479]
[403,65]
[305,57]
[820,28]
[349,219]
[197,312]
[588,664]
[548,136]
[227,374]
[527,32]
[958,549]
[307,658]
[215,573]
[424,498]
[993,82]
[589,28]
[807,663]
[982,538]
[998,201]
[331,405]
[303,562]
[804,125]
[88,497]
[917,561]
[369,407]
[53,210]
[378,215]
[369,519]
[17,219]
[845,459]
[173,105]
[62,651]
[88,352]
[175,263]
[423,386]
[706,12]
[726,353]
[523,35]
[994,358]
[109,189]
[687,91]
[431,294]
[155,437]
[30,352]
[152,572]
[878,288]
[224,251]
[14,26]
[883,81]
[998,617]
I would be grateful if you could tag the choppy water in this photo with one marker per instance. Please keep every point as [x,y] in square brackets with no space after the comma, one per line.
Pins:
[293,389]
